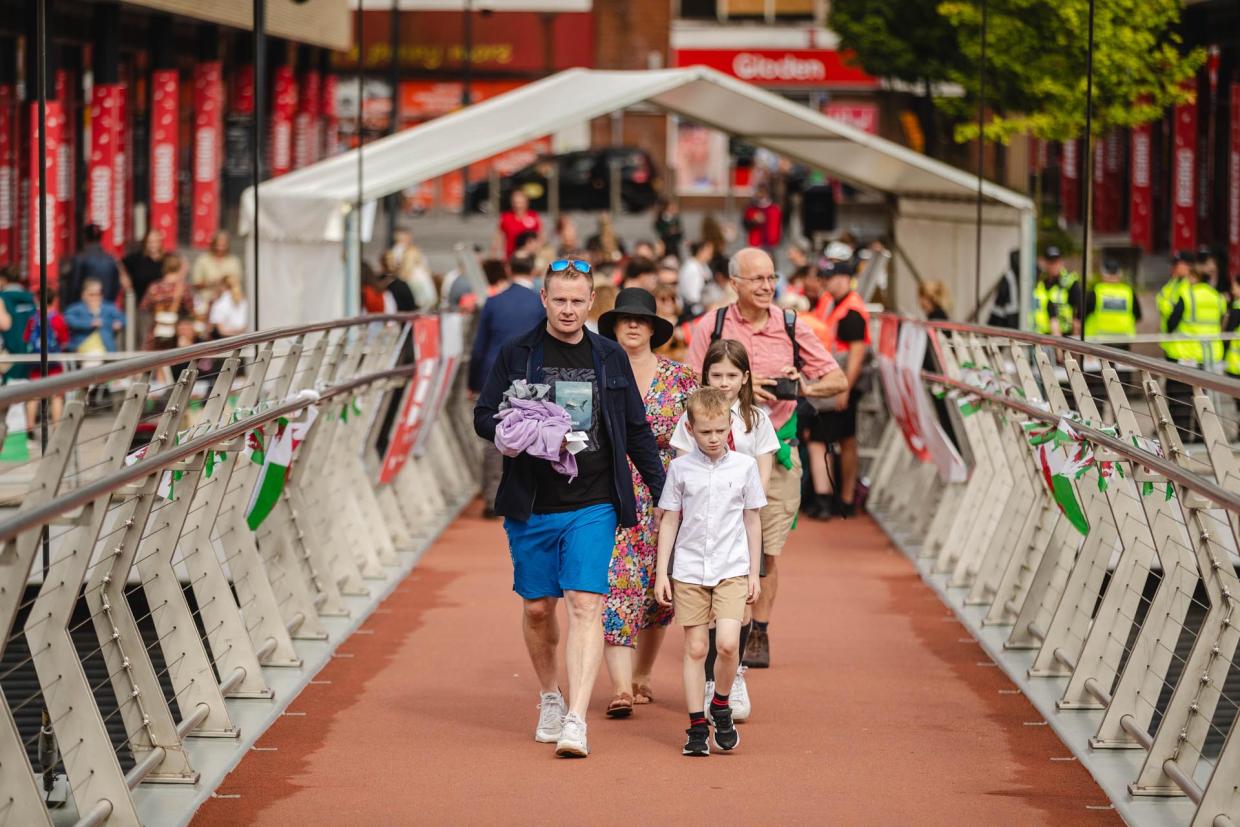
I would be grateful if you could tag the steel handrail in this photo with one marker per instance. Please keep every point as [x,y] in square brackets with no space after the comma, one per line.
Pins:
[1160,465]
[1171,370]
[34,518]
[57,385]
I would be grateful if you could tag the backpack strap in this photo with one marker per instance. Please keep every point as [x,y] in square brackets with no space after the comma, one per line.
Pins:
[717,334]
[790,327]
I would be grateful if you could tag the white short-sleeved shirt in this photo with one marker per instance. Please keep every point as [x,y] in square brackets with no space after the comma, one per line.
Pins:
[713,496]
[760,440]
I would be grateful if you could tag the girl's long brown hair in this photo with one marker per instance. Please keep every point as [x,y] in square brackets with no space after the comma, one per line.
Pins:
[730,350]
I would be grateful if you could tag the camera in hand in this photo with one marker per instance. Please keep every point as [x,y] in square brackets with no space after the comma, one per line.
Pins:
[786,388]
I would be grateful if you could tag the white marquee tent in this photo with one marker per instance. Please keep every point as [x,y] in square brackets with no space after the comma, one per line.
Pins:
[306,217]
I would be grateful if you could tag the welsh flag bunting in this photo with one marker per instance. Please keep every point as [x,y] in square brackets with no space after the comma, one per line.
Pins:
[167,479]
[272,476]
[1061,472]
[353,408]
[277,456]
[969,405]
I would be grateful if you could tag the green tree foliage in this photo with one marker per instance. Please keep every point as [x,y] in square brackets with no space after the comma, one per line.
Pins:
[901,40]
[906,40]
[1036,61]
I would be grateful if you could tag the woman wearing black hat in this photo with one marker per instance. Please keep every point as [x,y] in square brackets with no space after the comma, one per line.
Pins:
[631,609]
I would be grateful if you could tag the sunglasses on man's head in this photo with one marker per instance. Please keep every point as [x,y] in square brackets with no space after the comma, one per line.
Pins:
[562,264]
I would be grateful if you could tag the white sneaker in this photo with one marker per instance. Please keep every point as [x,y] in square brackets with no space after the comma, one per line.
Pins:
[550,718]
[710,696]
[739,698]
[572,743]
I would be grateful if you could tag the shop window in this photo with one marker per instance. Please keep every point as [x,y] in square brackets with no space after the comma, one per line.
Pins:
[750,10]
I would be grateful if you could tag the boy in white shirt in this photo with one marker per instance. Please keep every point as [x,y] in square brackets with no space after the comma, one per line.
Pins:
[710,506]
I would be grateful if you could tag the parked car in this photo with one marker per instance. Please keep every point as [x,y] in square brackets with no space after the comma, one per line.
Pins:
[585,181]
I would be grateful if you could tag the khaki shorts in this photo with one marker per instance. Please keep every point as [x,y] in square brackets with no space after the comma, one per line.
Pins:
[783,501]
[698,605]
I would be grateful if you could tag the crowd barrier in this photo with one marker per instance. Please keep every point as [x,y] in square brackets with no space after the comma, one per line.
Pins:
[203,528]
[1078,508]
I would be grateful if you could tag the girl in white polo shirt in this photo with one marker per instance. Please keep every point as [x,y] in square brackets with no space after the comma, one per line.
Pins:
[726,367]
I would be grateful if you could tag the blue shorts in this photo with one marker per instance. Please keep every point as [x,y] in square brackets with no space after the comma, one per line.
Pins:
[563,551]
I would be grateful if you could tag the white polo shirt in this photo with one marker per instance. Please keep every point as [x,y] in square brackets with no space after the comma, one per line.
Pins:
[712,495]
[761,439]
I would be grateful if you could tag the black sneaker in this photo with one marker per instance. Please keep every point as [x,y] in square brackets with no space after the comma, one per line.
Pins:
[726,735]
[697,744]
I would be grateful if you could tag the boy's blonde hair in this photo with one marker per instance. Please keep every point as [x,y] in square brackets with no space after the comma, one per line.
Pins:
[707,402]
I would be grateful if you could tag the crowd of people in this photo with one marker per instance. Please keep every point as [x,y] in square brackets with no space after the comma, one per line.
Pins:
[647,411]
[98,297]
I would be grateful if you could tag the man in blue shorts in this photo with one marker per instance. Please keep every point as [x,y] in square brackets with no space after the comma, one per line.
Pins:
[560,533]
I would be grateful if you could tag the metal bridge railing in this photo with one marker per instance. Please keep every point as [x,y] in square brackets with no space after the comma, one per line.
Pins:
[1087,522]
[142,585]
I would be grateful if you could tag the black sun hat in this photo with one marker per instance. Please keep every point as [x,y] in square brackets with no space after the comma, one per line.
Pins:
[639,303]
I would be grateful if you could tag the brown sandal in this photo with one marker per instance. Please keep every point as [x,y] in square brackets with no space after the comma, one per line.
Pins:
[642,694]
[621,706]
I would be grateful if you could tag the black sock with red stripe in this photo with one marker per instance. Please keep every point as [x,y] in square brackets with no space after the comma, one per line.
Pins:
[697,719]
[719,703]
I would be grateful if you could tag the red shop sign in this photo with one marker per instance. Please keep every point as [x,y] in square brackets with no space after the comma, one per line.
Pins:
[1184,179]
[781,67]
[208,133]
[165,85]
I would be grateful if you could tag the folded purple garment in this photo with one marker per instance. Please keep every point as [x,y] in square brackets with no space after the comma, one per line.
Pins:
[536,428]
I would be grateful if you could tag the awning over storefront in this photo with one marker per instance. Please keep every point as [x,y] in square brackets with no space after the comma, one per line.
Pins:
[323,23]
[311,206]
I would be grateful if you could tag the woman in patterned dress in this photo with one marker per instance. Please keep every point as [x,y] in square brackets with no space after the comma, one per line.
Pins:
[631,614]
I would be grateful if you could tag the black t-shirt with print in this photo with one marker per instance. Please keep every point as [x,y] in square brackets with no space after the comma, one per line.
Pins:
[569,370]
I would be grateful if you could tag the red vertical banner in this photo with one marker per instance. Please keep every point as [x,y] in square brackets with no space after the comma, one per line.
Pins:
[122,192]
[165,128]
[330,117]
[242,97]
[1101,214]
[208,122]
[101,183]
[305,125]
[1140,190]
[52,130]
[9,245]
[1070,182]
[66,202]
[283,109]
[1184,179]
[1233,186]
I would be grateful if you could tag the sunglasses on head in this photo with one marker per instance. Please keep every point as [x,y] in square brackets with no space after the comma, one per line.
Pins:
[562,264]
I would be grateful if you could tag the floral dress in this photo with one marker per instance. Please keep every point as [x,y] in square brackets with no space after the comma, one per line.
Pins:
[631,605]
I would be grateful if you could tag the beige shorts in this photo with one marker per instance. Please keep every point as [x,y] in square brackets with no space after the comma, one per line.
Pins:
[698,605]
[783,501]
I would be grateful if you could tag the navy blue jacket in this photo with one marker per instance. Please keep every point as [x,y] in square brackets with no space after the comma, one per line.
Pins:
[505,316]
[621,406]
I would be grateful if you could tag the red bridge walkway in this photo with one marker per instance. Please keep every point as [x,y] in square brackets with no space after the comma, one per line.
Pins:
[879,710]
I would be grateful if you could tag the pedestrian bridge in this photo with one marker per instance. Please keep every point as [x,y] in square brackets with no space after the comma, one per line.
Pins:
[191,634]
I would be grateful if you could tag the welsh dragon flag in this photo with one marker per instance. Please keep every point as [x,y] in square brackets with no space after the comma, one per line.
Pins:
[1061,468]
[276,451]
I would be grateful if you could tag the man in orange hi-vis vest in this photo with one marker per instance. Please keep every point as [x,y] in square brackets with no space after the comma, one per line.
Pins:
[848,334]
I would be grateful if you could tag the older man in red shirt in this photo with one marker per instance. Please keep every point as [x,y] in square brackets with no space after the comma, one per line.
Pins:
[760,326]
